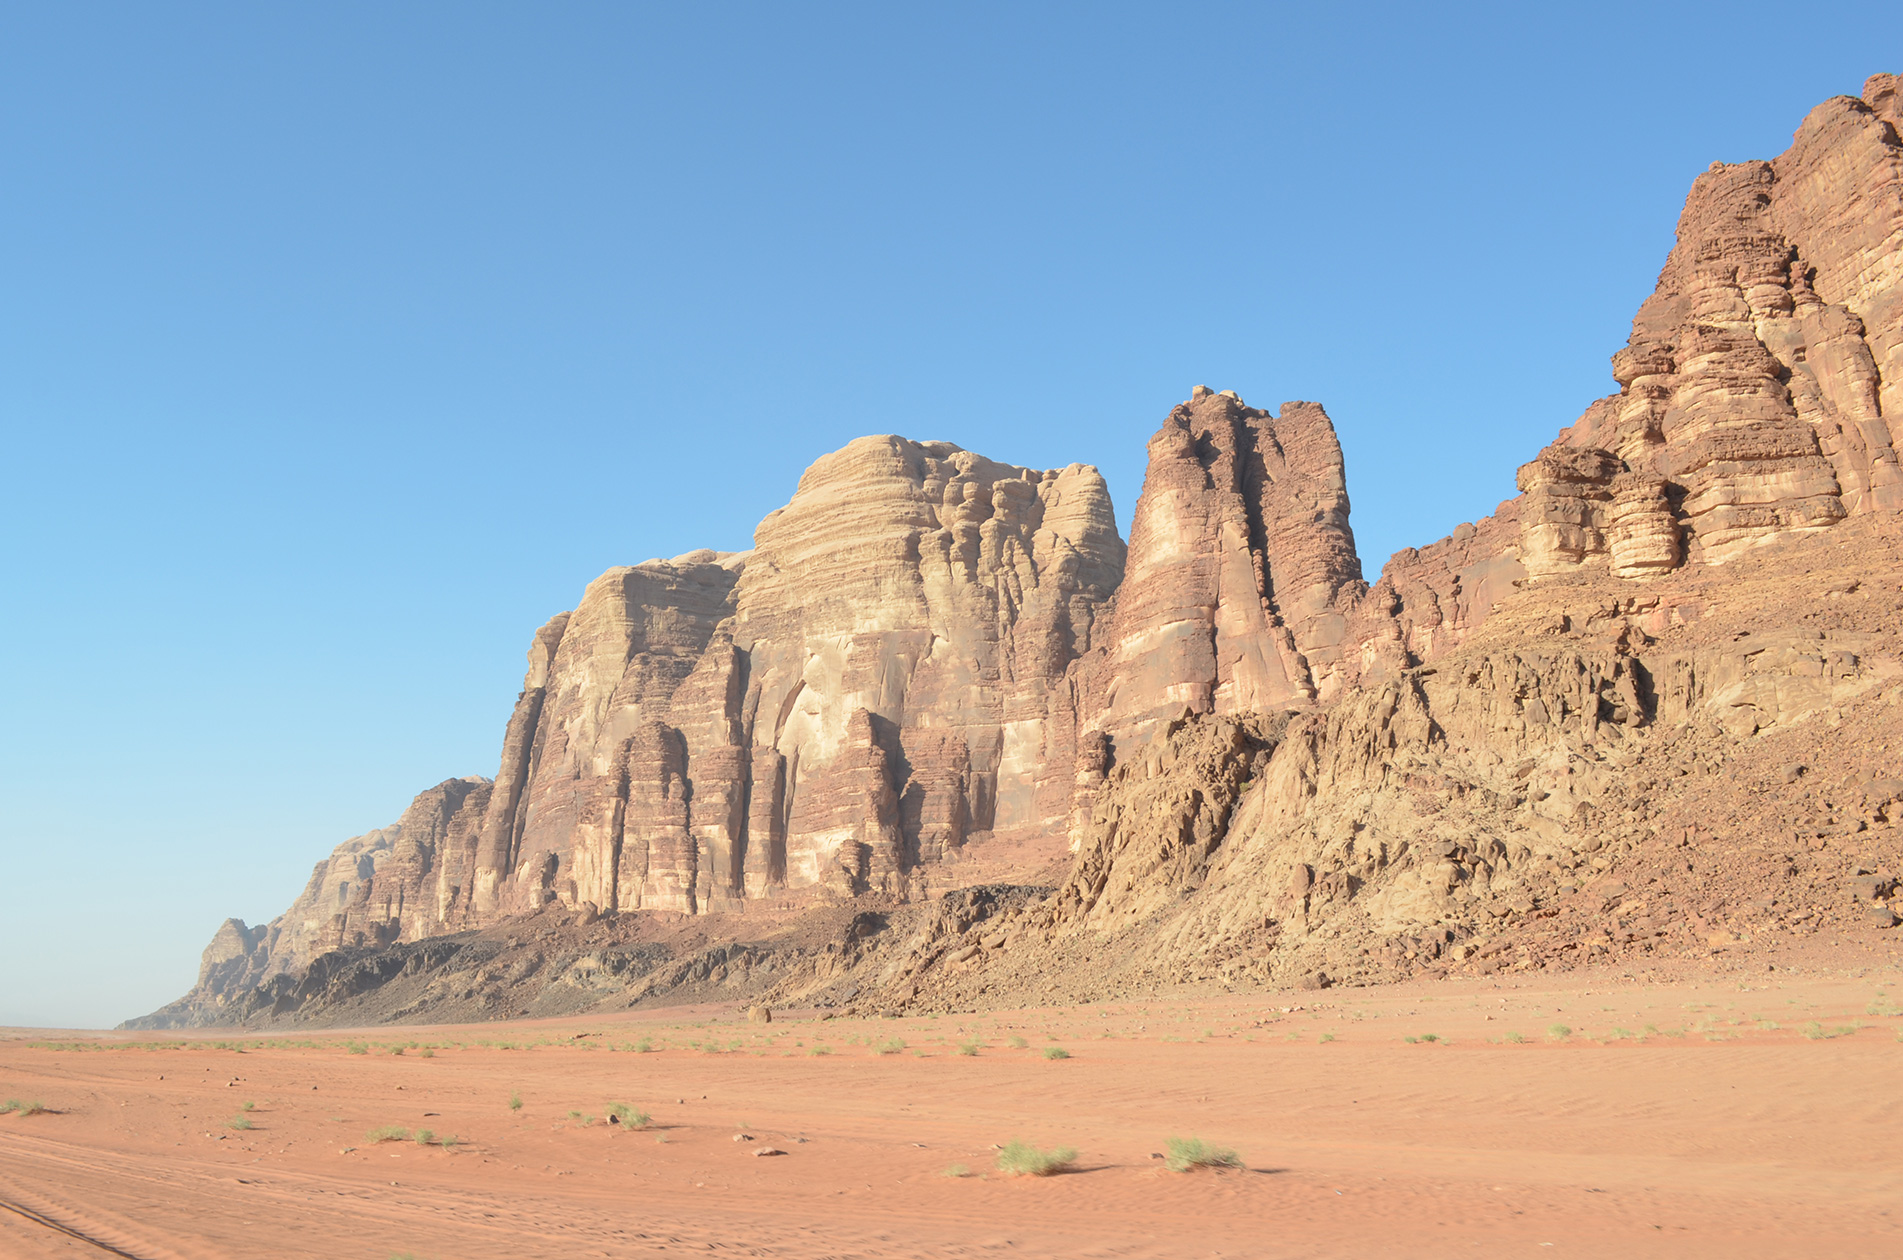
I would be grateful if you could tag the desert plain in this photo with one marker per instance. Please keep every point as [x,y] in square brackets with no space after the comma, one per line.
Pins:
[1744,1114]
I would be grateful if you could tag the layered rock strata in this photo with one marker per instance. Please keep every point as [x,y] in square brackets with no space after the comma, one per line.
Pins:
[1757,393]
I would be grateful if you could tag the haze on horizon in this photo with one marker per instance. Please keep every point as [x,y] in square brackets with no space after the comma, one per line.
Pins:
[344,347]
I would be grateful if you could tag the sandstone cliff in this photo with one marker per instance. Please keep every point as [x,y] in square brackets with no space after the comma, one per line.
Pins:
[840,709]
[1651,707]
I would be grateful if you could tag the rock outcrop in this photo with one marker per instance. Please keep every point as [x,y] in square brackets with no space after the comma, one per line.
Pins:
[1269,770]
[1242,573]
[1757,391]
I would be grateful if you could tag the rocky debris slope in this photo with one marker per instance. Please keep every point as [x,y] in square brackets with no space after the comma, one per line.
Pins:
[1569,789]
[1268,770]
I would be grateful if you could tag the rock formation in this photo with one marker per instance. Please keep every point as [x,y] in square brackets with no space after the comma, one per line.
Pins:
[1241,577]
[840,709]
[1269,769]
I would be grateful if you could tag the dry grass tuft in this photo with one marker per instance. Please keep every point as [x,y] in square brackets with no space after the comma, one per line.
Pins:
[1021,1159]
[1187,1153]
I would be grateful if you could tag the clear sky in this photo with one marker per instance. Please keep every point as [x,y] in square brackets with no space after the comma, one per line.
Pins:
[342,344]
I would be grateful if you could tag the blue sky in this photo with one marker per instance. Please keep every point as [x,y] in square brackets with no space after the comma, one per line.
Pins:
[341,345]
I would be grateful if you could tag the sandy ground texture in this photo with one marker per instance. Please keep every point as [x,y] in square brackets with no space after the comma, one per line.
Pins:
[1537,1116]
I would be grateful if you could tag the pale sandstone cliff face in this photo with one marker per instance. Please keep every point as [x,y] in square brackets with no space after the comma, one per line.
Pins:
[903,620]
[841,708]
[925,646]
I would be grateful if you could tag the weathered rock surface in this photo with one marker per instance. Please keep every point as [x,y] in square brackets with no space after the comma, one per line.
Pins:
[840,710]
[1241,576]
[1270,771]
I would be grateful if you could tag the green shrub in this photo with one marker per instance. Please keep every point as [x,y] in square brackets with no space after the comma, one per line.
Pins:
[1559,1032]
[822,1050]
[1187,1153]
[968,1047]
[515,1102]
[1017,1042]
[388,1133]
[629,1116]
[239,1122]
[891,1047]
[424,1137]
[1056,1052]
[958,1170]
[1020,1159]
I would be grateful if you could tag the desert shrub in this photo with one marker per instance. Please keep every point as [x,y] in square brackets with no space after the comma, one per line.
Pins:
[357,1047]
[426,1052]
[238,1122]
[643,1046]
[388,1133]
[1017,1042]
[424,1137]
[1817,1032]
[515,1102]
[1056,1052]
[958,1170]
[1021,1159]
[629,1116]
[1559,1032]
[891,1047]
[968,1047]
[1187,1153]
[1515,1038]
[1327,1037]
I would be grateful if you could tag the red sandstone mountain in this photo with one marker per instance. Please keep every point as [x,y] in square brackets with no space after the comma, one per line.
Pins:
[1673,658]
